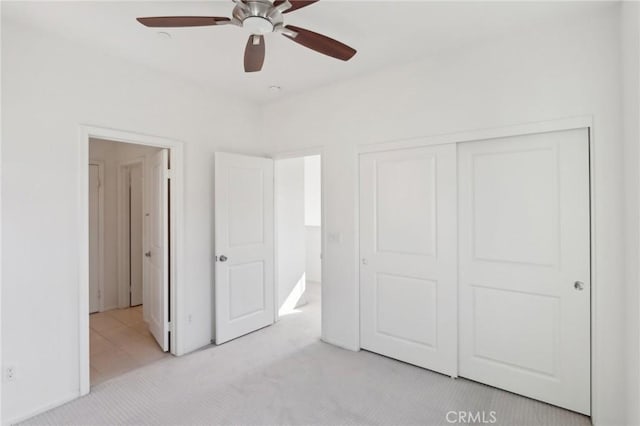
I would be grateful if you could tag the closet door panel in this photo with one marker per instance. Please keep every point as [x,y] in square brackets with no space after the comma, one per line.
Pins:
[525,265]
[408,256]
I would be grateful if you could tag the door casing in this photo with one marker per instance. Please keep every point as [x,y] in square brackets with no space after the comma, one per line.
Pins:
[581,122]
[176,259]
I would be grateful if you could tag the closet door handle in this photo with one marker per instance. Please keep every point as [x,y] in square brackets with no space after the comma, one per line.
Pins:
[148,254]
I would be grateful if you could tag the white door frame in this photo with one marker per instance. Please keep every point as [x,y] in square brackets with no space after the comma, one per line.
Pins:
[124,257]
[100,165]
[176,207]
[571,123]
[288,155]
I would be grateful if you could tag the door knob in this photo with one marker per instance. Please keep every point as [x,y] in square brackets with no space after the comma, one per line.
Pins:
[578,285]
[148,254]
[223,258]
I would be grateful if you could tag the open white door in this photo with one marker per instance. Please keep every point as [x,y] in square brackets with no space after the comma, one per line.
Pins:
[244,245]
[157,254]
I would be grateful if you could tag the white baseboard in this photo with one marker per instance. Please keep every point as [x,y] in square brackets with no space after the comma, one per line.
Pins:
[109,308]
[43,409]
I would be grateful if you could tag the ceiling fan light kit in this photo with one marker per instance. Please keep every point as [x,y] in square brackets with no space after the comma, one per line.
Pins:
[260,17]
[257,25]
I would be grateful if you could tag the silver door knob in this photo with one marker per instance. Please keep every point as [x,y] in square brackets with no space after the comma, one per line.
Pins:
[148,254]
[223,258]
[578,285]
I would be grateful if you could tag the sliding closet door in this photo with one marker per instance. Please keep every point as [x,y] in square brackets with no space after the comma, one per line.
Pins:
[408,256]
[524,266]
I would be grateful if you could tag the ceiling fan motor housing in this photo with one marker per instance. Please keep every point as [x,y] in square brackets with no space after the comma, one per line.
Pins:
[258,16]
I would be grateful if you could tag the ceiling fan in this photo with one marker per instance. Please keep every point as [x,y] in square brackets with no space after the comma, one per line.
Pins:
[260,17]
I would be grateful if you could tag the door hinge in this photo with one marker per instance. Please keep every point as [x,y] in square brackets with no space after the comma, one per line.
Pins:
[171,327]
[169,174]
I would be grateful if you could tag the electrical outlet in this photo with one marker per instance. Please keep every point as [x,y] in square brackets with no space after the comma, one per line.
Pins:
[189,318]
[10,374]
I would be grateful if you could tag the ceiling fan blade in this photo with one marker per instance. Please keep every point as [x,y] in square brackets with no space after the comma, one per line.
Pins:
[181,21]
[254,53]
[321,43]
[295,4]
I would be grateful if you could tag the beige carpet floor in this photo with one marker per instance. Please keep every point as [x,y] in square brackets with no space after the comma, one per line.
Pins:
[284,374]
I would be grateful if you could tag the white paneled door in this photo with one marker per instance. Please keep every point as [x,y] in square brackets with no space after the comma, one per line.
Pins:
[244,293]
[157,253]
[408,256]
[524,266]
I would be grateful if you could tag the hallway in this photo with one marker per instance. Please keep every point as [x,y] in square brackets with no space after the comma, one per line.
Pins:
[120,342]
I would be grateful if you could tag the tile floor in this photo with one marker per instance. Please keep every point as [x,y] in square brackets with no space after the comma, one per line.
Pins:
[120,341]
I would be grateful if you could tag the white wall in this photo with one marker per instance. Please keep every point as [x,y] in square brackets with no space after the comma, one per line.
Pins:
[313,252]
[630,43]
[290,200]
[563,70]
[312,191]
[50,86]
[312,217]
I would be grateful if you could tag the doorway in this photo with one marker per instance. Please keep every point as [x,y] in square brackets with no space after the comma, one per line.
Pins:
[263,272]
[128,251]
[298,207]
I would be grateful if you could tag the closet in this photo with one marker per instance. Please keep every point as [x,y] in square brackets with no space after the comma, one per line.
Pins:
[475,262]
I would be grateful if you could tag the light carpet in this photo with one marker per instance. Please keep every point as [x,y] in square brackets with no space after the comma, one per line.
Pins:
[284,375]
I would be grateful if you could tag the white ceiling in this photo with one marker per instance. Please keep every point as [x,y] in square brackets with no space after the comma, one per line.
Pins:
[384,33]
